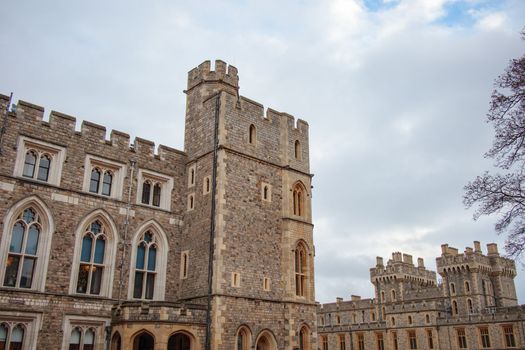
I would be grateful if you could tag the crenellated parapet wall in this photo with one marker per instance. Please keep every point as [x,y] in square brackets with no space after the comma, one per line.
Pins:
[222,73]
[401,268]
[91,132]
[452,261]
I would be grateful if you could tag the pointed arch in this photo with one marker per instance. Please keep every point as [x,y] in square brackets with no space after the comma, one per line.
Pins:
[303,336]
[243,338]
[148,280]
[40,256]
[116,341]
[143,340]
[252,134]
[181,340]
[299,199]
[301,268]
[98,262]
[266,340]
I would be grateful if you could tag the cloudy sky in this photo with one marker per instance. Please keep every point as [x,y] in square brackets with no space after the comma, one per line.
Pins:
[395,92]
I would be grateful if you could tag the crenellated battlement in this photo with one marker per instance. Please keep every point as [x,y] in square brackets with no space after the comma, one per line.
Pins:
[402,268]
[223,73]
[89,131]
[452,261]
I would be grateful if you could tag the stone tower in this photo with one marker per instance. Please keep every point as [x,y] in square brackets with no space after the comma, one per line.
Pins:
[249,187]
[473,281]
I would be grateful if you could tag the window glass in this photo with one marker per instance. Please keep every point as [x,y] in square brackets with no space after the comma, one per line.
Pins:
[152,258]
[29,164]
[137,288]
[150,285]
[146,190]
[106,183]
[86,248]
[32,240]
[27,273]
[99,250]
[11,271]
[96,279]
[43,168]
[156,195]
[94,181]
[141,252]
[17,238]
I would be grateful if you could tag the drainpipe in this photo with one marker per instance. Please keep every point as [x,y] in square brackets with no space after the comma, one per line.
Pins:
[212,221]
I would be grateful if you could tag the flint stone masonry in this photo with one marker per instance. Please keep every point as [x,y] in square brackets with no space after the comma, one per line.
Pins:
[254,237]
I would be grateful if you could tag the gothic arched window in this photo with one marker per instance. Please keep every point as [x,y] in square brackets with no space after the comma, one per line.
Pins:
[298,201]
[12,337]
[23,248]
[300,270]
[92,254]
[145,266]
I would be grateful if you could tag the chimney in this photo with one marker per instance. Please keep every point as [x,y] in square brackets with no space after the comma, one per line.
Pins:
[477,247]
[379,261]
[338,300]
[420,263]
[356,297]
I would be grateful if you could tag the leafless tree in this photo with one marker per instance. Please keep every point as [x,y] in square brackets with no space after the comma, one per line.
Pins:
[504,194]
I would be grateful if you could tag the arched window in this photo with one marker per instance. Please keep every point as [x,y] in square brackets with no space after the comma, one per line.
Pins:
[297,150]
[94,181]
[382,296]
[252,135]
[145,267]
[470,307]
[24,248]
[148,263]
[393,292]
[298,200]
[101,181]
[409,319]
[373,316]
[149,195]
[82,339]
[300,270]
[243,338]
[454,307]
[393,321]
[321,320]
[184,264]
[94,255]
[93,251]
[304,339]
[467,287]
[452,288]
[30,163]
[265,193]
[337,319]
[11,337]
[106,183]
[427,318]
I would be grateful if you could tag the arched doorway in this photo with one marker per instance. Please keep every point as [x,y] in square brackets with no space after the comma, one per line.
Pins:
[144,341]
[266,342]
[116,342]
[179,341]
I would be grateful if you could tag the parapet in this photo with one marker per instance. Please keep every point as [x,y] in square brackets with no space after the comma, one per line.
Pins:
[90,132]
[222,73]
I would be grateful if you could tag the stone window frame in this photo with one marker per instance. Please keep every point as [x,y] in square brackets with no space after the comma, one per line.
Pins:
[412,335]
[117,169]
[236,280]
[380,341]
[303,336]
[484,331]
[184,264]
[430,339]
[99,324]
[206,185]
[452,288]
[467,287]
[252,135]
[31,322]
[298,153]
[360,340]
[506,339]
[191,201]
[110,253]
[461,338]
[454,307]
[44,245]
[192,175]
[323,342]
[266,192]
[166,187]
[302,276]
[55,152]
[161,260]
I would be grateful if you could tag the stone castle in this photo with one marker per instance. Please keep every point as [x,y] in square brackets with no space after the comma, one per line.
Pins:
[473,307]
[110,245]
